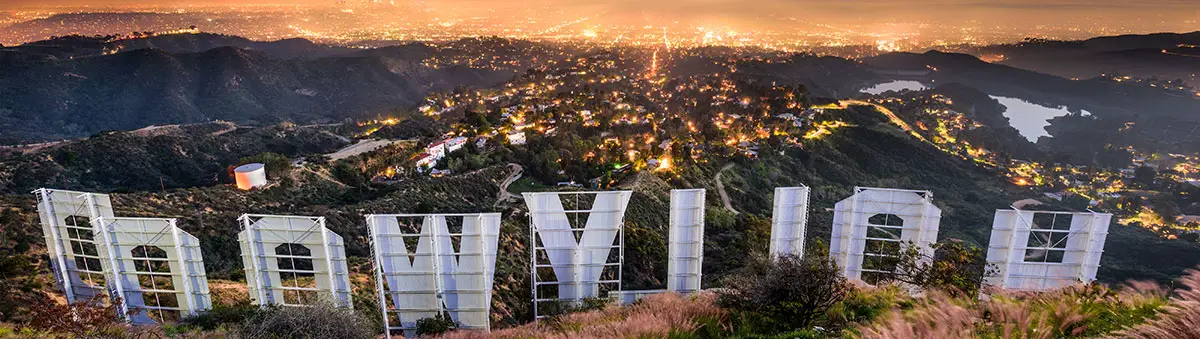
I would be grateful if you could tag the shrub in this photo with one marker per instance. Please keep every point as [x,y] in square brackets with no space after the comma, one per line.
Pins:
[955,268]
[222,315]
[865,305]
[277,165]
[318,321]
[436,325]
[92,318]
[565,307]
[785,293]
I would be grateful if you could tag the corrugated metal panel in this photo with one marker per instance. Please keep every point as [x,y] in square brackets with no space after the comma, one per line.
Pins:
[293,260]
[421,273]
[156,269]
[789,221]
[1039,251]
[685,241]
[853,227]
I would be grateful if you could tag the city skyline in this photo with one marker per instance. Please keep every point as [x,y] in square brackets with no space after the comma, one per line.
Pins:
[779,24]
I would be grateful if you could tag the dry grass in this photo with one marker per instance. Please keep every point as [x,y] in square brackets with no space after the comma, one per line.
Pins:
[656,316]
[935,316]
[1078,311]
[1182,316]
[225,292]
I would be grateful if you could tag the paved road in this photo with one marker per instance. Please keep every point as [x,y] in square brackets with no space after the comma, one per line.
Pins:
[887,112]
[363,146]
[1179,54]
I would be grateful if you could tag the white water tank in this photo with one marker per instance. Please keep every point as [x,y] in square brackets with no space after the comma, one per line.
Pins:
[250,176]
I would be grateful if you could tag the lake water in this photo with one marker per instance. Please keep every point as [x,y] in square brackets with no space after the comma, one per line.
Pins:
[1030,119]
[896,85]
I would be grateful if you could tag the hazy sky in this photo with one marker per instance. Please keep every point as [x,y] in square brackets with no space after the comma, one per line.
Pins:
[1166,5]
[1111,16]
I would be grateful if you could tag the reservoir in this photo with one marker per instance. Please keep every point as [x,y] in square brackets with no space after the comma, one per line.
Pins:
[896,85]
[1028,118]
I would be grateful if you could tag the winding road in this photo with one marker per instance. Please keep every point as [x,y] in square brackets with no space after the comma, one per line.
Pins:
[514,174]
[887,112]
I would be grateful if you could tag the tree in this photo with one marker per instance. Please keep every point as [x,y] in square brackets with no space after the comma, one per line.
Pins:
[1144,176]
[277,165]
[1166,209]
[954,267]
[784,293]
[349,175]
[435,325]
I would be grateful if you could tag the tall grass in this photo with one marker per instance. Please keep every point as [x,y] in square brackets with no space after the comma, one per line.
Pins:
[1181,318]
[657,316]
[1077,311]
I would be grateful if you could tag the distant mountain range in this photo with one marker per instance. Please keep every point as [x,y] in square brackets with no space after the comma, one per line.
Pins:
[76,86]
[64,89]
[69,47]
[1167,56]
[1157,120]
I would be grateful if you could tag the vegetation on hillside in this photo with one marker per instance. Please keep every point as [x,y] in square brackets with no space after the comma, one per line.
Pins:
[187,156]
[164,172]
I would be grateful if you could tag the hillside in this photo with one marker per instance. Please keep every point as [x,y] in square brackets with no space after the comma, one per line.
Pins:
[187,156]
[602,118]
[873,153]
[829,77]
[54,99]
[74,46]
[1159,120]
[1137,55]
[1104,99]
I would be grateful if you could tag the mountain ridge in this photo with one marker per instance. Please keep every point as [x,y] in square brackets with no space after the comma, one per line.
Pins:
[50,99]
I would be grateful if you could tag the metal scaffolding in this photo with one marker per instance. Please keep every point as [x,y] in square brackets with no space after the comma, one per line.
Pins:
[156,269]
[431,264]
[789,221]
[685,244]
[575,244]
[1043,250]
[67,226]
[293,261]
[875,224]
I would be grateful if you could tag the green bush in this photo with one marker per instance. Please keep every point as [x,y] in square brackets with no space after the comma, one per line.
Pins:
[277,165]
[866,305]
[436,325]
[783,294]
[953,267]
[565,307]
[222,315]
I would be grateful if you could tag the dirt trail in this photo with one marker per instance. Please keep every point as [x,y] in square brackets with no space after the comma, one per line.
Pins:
[514,174]
[323,176]
[721,189]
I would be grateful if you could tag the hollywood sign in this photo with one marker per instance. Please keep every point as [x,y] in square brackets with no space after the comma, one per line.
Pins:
[431,264]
